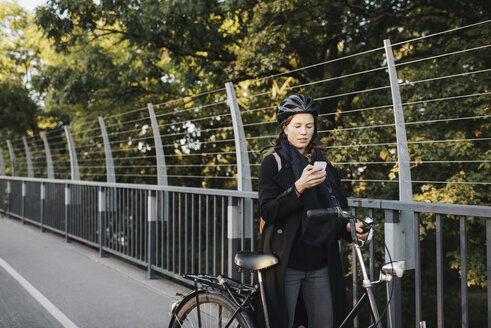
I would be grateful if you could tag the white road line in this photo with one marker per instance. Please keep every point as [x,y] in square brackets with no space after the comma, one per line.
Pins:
[50,307]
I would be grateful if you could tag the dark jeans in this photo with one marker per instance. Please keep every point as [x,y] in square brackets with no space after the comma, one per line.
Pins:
[316,292]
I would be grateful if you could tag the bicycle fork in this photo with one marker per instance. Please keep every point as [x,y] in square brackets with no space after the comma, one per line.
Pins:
[367,285]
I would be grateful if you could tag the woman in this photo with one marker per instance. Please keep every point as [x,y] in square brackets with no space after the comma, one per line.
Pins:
[310,262]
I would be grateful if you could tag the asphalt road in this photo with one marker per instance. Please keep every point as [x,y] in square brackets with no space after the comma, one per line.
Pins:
[45,282]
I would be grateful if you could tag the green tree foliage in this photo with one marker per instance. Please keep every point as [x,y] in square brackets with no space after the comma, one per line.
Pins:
[113,57]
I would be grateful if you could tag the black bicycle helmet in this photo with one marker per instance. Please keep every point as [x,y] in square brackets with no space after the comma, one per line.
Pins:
[296,104]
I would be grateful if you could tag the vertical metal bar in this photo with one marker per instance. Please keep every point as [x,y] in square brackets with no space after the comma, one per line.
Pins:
[168,236]
[193,250]
[199,232]
[372,252]
[355,277]
[417,272]
[214,235]
[23,201]
[439,271]
[463,265]
[67,211]
[179,231]
[141,220]
[120,218]
[42,197]
[372,259]
[152,218]
[102,211]
[162,230]
[30,170]
[131,224]
[75,173]
[12,158]
[224,205]
[127,222]
[173,232]
[207,224]
[186,259]
[49,160]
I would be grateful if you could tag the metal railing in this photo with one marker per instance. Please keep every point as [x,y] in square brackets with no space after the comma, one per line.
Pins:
[173,230]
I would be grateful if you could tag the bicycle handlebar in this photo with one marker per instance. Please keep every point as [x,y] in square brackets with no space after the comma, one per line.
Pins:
[338,213]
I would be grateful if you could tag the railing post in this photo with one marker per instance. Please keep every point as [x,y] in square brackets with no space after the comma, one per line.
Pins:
[404,234]
[9,188]
[12,157]
[67,212]
[30,170]
[160,156]
[42,196]
[152,218]
[244,182]
[75,172]
[110,175]
[102,220]
[234,233]
[49,160]
[2,164]
[394,314]
[23,201]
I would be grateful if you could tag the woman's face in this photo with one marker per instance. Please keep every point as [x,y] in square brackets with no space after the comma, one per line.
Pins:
[300,131]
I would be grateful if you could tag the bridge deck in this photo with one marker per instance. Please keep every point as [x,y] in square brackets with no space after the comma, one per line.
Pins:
[45,282]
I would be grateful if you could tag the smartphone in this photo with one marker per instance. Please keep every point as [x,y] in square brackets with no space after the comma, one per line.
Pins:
[320,164]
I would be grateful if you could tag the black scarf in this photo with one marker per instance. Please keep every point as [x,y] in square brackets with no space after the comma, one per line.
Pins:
[319,230]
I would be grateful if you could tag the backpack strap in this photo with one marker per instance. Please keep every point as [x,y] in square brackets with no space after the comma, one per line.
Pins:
[278,160]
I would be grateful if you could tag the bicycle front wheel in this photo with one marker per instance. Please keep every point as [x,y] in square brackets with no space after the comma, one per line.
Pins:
[215,310]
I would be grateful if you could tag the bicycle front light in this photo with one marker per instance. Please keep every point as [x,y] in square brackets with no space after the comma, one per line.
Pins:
[394,268]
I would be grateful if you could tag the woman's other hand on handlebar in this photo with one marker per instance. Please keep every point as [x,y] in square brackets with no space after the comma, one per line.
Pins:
[311,177]
[359,229]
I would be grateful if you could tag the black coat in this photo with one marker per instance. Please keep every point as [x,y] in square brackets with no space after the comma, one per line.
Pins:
[282,211]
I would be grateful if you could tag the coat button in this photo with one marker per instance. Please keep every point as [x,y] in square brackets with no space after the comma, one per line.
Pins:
[279,231]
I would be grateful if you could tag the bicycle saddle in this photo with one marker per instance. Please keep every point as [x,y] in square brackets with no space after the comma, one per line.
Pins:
[255,261]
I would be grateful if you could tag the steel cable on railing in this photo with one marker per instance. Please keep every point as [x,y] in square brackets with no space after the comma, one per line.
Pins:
[439,33]
[128,122]
[257,109]
[189,96]
[318,64]
[199,142]
[441,55]
[125,113]
[191,109]
[195,120]
[198,131]
[448,119]
[356,110]
[76,133]
[410,83]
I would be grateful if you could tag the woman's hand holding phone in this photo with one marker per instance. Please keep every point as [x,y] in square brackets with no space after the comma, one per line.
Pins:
[312,176]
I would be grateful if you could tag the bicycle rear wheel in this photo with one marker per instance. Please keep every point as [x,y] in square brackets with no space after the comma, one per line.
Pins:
[215,311]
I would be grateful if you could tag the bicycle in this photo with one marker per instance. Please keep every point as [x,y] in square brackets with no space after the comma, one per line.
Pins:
[224,302]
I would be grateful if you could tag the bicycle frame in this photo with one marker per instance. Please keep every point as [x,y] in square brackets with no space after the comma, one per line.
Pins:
[367,295]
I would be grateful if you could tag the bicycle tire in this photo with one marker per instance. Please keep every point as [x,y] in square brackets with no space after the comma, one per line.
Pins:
[215,308]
